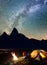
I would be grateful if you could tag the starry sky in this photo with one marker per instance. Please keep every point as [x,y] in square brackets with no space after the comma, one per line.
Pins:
[29,17]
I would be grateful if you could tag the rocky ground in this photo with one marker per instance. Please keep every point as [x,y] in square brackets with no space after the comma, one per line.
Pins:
[29,61]
[26,61]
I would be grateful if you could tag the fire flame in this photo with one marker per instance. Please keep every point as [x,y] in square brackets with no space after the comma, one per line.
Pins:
[14,56]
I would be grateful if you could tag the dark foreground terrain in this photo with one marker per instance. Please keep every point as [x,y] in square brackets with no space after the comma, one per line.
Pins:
[28,61]
[6,58]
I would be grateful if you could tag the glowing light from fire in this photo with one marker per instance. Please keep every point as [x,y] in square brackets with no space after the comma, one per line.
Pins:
[42,55]
[34,53]
[14,56]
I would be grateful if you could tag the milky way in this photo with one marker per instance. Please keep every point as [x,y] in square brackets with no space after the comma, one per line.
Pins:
[29,17]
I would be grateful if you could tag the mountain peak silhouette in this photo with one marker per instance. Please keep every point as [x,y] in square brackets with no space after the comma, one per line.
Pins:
[19,41]
[4,34]
[14,33]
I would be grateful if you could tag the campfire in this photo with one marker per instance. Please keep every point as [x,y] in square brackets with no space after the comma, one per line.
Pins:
[15,58]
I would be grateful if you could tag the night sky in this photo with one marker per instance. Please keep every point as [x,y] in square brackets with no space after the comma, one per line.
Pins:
[29,17]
